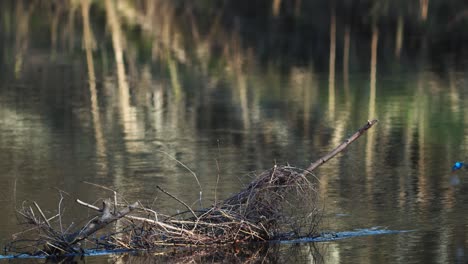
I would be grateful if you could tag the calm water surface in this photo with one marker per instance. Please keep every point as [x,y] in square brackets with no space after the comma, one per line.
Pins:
[87,98]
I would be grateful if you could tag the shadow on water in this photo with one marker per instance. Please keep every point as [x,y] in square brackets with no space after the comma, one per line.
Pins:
[308,249]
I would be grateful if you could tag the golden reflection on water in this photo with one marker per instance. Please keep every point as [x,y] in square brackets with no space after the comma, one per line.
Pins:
[191,90]
[90,45]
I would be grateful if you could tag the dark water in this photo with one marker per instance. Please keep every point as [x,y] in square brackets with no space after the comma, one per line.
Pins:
[109,93]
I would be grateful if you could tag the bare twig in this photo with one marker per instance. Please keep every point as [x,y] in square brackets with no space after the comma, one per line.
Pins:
[42,214]
[60,213]
[216,186]
[178,200]
[217,178]
[148,210]
[88,205]
[342,146]
[106,188]
[158,223]
[100,186]
[187,168]
[97,224]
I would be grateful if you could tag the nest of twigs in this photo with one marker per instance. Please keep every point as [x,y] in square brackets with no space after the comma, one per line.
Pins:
[257,213]
[260,212]
[279,203]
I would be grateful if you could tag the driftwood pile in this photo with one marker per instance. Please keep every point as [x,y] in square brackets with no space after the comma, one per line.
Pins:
[259,212]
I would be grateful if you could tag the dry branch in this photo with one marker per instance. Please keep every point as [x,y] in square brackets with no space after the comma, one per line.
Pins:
[342,146]
[177,199]
[106,218]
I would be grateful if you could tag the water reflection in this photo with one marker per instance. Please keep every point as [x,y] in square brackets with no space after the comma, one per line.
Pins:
[310,253]
[100,96]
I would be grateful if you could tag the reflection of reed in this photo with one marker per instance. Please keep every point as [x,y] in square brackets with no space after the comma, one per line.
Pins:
[306,89]
[89,45]
[331,76]
[116,33]
[23,15]
[126,112]
[423,187]
[399,36]
[127,115]
[306,109]
[56,13]
[373,72]
[454,94]
[465,118]
[69,33]
[297,8]
[346,44]
[236,60]
[276,7]
[408,152]
[174,74]
[373,75]
[203,44]
[242,87]
[424,7]
[330,172]
[338,134]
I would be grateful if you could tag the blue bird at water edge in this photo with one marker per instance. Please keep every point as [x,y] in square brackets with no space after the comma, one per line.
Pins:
[458,165]
[454,180]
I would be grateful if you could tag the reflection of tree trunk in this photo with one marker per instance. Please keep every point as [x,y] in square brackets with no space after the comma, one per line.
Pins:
[464,115]
[70,28]
[174,74]
[306,109]
[303,81]
[453,92]
[124,94]
[114,26]
[276,7]
[236,60]
[331,76]
[423,188]
[324,182]
[89,45]
[339,133]
[307,105]
[242,85]
[424,6]
[399,36]
[54,26]
[23,14]
[373,74]
[150,8]
[127,113]
[127,117]
[449,196]
[455,105]
[297,7]
[347,39]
